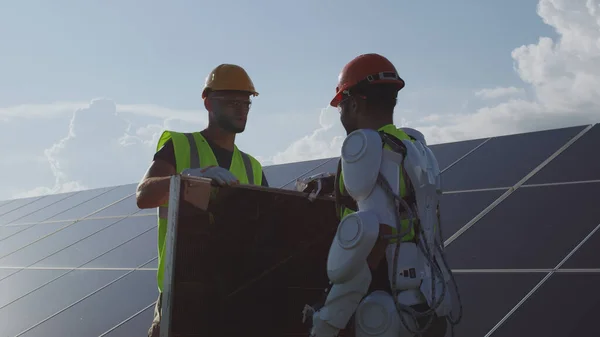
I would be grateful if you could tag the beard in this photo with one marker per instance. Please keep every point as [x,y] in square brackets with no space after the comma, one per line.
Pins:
[227,124]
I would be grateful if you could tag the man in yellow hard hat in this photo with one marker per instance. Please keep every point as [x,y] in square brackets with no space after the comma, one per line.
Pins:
[211,153]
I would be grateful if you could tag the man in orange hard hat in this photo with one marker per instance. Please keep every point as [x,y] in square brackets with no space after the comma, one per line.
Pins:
[211,153]
[387,191]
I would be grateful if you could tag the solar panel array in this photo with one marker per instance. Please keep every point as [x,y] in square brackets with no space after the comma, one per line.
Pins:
[519,215]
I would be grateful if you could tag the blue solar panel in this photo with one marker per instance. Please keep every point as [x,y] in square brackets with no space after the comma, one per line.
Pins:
[533,228]
[55,296]
[60,206]
[503,161]
[587,256]
[487,297]
[21,282]
[6,231]
[95,204]
[141,248]
[457,209]
[60,238]
[133,325]
[16,204]
[32,208]
[116,301]
[447,153]
[27,235]
[124,207]
[151,264]
[579,162]
[4,202]
[573,300]
[94,241]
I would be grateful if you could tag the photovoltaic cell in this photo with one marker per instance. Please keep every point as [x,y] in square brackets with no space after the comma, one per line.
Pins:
[280,175]
[134,326]
[535,227]
[448,153]
[579,162]
[124,207]
[4,202]
[61,206]
[16,204]
[6,231]
[6,272]
[97,246]
[60,238]
[39,204]
[152,264]
[55,296]
[141,249]
[565,305]
[117,301]
[503,161]
[587,256]
[23,281]
[486,298]
[457,209]
[95,204]
[26,235]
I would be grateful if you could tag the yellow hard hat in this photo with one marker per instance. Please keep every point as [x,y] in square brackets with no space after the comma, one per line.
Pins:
[228,77]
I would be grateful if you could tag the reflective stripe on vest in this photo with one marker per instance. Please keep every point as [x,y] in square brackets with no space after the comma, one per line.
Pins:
[191,150]
[195,162]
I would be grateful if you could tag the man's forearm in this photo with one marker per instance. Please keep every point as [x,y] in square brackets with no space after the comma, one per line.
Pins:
[153,192]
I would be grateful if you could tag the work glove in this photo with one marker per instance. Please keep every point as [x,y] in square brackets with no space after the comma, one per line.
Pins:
[217,174]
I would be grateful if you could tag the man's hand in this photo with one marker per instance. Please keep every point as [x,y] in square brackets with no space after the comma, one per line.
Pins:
[218,174]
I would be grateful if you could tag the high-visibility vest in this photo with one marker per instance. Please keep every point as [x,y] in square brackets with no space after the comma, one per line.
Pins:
[193,151]
[392,130]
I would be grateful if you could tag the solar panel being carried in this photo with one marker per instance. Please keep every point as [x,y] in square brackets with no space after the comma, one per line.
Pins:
[519,216]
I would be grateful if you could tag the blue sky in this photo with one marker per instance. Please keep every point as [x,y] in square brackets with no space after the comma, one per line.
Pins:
[150,58]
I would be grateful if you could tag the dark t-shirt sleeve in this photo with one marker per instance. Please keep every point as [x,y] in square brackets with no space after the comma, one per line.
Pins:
[166,153]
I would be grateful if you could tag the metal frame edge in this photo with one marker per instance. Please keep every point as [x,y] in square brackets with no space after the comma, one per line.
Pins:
[171,243]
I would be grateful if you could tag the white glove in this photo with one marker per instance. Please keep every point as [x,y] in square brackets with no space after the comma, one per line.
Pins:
[218,174]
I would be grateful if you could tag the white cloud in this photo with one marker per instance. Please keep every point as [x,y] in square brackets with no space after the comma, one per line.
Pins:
[103,146]
[564,76]
[499,92]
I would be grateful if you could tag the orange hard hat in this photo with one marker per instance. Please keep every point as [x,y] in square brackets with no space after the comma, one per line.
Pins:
[228,77]
[366,69]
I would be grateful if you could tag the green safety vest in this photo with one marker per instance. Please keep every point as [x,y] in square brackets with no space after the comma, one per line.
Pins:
[193,151]
[345,210]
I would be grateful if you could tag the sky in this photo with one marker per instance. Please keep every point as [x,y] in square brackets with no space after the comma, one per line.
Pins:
[86,87]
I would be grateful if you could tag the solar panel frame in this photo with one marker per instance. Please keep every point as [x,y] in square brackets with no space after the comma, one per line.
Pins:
[574,302]
[87,251]
[486,297]
[120,298]
[457,209]
[94,205]
[580,162]
[55,295]
[40,204]
[61,206]
[506,238]
[503,161]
